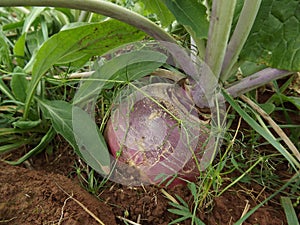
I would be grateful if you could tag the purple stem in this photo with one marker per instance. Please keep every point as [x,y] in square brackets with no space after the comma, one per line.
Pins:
[255,80]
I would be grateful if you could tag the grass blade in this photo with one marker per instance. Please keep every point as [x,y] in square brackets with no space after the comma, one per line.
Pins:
[43,144]
[264,133]
[244,218]
[289,211]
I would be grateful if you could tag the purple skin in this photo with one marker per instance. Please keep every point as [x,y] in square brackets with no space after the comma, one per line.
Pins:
[143,135]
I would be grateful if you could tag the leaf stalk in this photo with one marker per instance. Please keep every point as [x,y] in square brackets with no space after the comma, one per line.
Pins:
[239,36]
[218,35]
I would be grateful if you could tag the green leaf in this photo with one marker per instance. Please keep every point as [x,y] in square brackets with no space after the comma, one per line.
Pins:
[60,114]
[193,189]
[132,66]
[160,9]
[19,85]
[77,127]
[181,212]
[249,68]
[91,143]
[180,207]
[19,50]
[94,39]
[126,67]
[274,39]
[190,13]
[77,43]
[182,201]
[198,221]
[9,147]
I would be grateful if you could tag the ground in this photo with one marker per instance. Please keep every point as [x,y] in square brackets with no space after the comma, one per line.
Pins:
[46,190]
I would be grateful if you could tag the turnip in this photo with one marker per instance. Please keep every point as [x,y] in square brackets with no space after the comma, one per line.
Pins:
[156,130]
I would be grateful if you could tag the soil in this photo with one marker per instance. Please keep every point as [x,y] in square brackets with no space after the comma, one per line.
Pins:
[46,190]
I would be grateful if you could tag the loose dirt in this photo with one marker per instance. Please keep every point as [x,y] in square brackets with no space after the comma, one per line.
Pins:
[48,191]
[37,197]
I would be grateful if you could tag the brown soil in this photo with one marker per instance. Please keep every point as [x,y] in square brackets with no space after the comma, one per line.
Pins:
[36,197]
[48,192]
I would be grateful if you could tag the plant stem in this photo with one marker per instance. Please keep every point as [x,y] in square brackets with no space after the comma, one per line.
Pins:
[255,80]
[240,177]
[84,16]
[218,35]
[239,36]
[101,7]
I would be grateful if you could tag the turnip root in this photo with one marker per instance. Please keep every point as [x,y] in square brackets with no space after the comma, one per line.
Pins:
[156,131]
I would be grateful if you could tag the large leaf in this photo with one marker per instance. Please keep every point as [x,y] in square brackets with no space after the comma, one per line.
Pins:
[274,39]
[192,14]
[90,142]
[77,127]
[126,67]
[77,43]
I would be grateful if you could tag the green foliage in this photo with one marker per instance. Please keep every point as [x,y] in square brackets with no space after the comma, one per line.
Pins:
[274,39]
[19,50]
[31,17]
[21,124]
[78,44]
[182,209]
[6,91]
[70,121]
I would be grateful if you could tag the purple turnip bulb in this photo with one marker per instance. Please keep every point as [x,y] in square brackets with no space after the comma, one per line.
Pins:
[156,131]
